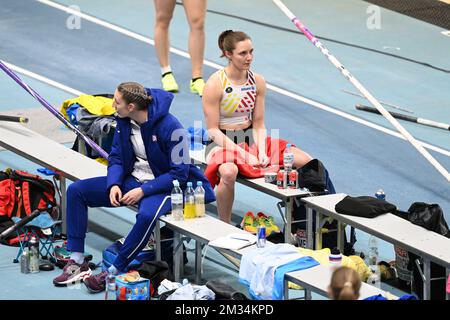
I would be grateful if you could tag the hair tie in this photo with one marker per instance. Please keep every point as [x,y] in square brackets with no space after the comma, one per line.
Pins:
[348,284]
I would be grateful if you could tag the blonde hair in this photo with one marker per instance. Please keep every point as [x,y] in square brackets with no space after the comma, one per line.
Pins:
[345,284]
[133,92]
[228,39]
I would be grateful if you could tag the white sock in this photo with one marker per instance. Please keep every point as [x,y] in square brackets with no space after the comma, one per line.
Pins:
[78,257]
[113,270]
[166,69]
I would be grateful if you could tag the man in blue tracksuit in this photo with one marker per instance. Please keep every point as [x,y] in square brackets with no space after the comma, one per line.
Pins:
[150,149]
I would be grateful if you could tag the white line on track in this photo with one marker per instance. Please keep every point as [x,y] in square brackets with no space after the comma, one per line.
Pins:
[182,53]
[42,79]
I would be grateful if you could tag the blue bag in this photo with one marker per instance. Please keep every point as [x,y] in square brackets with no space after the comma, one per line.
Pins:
[147,254]
[110,254]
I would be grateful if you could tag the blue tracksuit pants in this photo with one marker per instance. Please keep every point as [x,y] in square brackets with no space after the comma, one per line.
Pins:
[93,193]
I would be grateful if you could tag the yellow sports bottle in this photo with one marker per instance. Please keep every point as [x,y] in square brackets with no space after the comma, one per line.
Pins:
[189,202]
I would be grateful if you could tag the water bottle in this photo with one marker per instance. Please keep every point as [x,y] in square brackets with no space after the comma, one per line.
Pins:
[373,251]
[189,202]
[199,196]
[25,261]
[33,255]
[374,279]
[288,159]
[335,258]
[110,287]
[176,198]
[380,194]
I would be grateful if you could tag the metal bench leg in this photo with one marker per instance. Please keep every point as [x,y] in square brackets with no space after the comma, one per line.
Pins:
[447,274]
[288,218]
[198,262]
[286,289]
[425,274]
[318,231]
[308,295]
[340,236]
[427,282]
[158,240]
[309,223]
[177,256]
[62,186]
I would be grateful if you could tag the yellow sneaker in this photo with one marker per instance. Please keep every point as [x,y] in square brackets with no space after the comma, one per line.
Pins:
[268,222]
[197,86]
[249,222]
[169,83]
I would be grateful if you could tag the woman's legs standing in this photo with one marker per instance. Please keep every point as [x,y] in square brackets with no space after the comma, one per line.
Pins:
[195,13]
[164,12]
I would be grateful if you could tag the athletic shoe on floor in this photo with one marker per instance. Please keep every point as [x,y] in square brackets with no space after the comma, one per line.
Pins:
[268,222]
[197,86]
[73,273]
[96,284]
[169,83]
[249,222]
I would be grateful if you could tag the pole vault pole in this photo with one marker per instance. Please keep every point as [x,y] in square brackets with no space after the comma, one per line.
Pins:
[361,89]
[13,118]
[53,111]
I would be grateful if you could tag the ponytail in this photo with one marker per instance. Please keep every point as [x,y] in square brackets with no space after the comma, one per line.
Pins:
[347,292]
[133,92]
[345,284]
[228,39]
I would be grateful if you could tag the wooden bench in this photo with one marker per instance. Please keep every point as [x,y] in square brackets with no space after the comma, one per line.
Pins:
[202,230]
[317,279]
[72,165]
[43,151]
[206,229]
[287,196]
[69,164]
[428,245]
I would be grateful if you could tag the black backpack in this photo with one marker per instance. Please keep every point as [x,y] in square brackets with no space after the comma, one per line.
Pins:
[431,217]
[315,177]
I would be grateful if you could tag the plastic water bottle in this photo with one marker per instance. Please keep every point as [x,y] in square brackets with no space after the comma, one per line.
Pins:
[288,159]
[199,195]
[25,261]
[373,251]
[380,194]
[335,258]
[110,287]
[374,279]
[189,202]
[176,198]
[33,255]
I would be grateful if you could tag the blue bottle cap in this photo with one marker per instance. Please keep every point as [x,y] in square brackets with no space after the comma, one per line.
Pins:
[189,184]
[199,183]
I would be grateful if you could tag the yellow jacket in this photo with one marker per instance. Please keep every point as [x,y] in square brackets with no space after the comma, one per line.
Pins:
[95,105]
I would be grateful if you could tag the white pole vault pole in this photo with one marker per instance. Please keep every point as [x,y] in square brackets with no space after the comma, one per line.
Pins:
[361,89]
